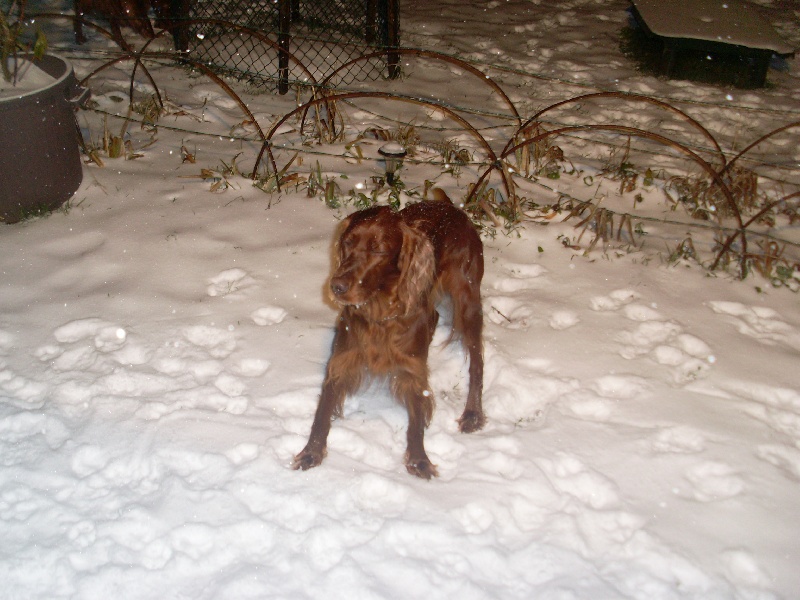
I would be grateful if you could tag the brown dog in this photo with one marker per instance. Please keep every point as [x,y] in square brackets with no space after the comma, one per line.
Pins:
[392,267]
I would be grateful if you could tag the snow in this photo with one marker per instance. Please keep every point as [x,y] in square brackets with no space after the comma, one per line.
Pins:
[29,77]
[162,348]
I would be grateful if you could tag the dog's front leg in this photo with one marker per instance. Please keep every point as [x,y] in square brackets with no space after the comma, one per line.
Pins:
[311,456]
[342,377]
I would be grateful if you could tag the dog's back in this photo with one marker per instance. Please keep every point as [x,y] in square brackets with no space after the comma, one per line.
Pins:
[447,226]
[457,245]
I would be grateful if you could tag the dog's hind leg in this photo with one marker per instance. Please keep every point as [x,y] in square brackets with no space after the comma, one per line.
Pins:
[413,392]
[470,323]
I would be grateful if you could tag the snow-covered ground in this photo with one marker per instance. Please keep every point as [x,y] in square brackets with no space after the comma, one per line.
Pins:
[162,347]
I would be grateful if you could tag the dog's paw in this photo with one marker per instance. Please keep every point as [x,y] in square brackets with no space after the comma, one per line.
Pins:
[308,459]
[471,421]
[423,468]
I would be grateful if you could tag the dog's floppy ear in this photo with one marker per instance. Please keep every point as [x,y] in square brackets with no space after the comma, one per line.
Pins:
[335,260]
[337,238]
[417,266]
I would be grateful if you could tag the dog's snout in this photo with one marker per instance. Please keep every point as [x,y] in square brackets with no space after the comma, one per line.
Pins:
[339,286]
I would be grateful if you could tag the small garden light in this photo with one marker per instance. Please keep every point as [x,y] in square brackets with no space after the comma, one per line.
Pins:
[394,154]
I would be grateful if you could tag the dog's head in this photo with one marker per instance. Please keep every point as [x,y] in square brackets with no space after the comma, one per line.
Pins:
[382,262]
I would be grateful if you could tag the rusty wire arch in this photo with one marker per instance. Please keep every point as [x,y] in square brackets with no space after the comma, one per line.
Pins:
[466,125]
[758,141]
[195,64]
[740,231]
[631,97]
[438,56]
[186,59]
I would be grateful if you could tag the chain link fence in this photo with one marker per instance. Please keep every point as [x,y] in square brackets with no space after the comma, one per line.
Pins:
[278,43]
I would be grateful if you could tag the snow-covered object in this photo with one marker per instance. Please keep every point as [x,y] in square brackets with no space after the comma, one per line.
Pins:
[726,21]
[29,78]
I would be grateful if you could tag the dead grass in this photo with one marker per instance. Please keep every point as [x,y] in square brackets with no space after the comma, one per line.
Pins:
[704,199]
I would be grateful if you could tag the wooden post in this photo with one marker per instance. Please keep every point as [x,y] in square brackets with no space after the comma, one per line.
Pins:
[669,55]
[758,71]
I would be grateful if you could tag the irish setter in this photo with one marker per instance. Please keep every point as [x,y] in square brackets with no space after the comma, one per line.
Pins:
[392,268]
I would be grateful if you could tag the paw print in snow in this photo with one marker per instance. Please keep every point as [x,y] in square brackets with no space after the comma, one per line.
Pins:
[268,315]
[228,282]
[761,323]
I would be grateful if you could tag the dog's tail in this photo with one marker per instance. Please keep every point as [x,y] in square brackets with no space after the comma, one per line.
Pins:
[439,195]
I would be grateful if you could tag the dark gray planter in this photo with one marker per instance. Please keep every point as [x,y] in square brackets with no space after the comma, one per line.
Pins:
[40,163]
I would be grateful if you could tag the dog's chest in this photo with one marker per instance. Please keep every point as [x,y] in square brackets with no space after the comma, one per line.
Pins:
[382,346]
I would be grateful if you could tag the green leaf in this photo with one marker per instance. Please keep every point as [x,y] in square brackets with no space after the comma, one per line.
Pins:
[40,46]
[783,272]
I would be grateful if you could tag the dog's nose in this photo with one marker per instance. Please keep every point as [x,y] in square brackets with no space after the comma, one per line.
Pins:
[339,286]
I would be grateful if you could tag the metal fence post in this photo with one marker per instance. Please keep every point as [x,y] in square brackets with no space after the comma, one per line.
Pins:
[178,12]
[372,22]
[284,37]
[393,37]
